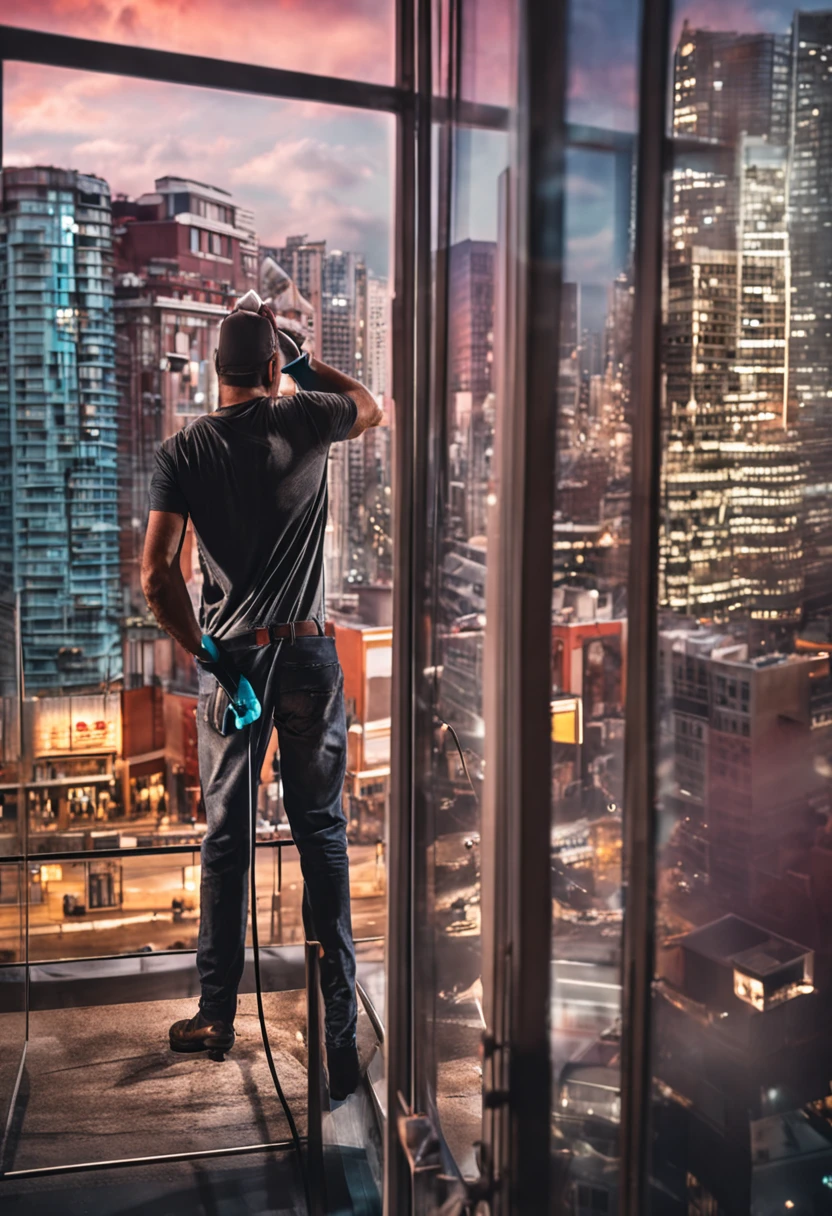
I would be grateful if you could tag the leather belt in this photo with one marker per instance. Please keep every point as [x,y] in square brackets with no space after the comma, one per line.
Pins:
[273,633]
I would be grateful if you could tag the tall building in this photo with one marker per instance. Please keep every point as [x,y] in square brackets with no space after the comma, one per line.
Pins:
[729,83]
[291,308]
[58,403]
[810,234]
[184,252]
[376,345]
[303,261]
[733,479]
[471,318]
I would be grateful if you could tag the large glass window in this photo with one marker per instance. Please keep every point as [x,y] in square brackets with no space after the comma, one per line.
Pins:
[591,541]
[741,1046]
[469,167]
[127,237]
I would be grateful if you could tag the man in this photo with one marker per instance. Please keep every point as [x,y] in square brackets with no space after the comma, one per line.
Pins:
[252,477]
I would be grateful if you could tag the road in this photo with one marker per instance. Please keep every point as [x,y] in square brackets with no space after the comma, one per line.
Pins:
[149,884]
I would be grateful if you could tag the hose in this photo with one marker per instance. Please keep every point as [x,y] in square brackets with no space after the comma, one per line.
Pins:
[255,941]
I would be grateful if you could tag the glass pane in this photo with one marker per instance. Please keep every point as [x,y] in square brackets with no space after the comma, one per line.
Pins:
[602,68]
[589,633]
[126,238]
[740,1019]
[129,905]
[358,43]
[469,170]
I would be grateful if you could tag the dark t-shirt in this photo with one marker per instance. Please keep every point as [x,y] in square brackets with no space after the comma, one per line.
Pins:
[252,478]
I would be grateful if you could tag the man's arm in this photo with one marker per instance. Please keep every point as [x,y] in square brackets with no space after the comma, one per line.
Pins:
[369,411]
[162,581]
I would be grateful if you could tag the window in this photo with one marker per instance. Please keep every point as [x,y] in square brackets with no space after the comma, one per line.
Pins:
[132,326]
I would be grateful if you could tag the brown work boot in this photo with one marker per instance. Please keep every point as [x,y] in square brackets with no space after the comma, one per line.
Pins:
[202,1034]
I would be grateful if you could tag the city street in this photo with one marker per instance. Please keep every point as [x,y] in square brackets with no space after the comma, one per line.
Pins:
[145,918]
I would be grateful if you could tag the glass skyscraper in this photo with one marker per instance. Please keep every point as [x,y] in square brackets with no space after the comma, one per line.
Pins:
[58,521]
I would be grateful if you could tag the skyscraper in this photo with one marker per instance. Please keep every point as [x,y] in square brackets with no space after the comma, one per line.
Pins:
[733,478]
[378,323]
[810,233]
[303,261]
[727,83]
[58,402]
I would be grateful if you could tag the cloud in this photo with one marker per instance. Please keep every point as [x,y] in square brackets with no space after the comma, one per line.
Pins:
[352,38]
[103,147]
[327,173]
[306,164]
[589,258]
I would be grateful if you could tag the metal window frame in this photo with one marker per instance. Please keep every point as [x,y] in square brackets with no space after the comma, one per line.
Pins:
[639,843]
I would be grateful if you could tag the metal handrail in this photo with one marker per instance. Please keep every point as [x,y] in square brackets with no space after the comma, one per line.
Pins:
[155,850]
[317,1096]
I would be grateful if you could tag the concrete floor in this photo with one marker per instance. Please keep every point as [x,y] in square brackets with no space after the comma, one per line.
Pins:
[102,1084]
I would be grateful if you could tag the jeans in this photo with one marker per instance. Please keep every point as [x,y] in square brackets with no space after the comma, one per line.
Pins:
[301,689]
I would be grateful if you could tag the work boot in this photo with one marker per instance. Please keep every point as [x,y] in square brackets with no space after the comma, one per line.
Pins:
[344,1071]
[202,1034]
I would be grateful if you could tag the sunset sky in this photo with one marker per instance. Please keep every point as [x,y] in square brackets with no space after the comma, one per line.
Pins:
[319,169]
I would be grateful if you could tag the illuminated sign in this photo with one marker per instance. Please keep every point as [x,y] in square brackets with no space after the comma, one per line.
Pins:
[51,873]
[567,720]
[65,725]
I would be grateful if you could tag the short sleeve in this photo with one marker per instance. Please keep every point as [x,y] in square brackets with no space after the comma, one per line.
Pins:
[165,494]
[332,415]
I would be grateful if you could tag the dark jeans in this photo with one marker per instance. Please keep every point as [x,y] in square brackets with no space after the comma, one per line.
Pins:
[301,689]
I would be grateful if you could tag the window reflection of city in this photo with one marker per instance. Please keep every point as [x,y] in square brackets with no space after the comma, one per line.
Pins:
[741,1051]
[741,1054]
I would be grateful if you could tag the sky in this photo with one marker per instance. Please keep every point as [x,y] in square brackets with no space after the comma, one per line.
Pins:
[324,170]
[301,167]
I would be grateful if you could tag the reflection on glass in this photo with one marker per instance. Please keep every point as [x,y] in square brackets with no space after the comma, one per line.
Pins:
[453,744]
[602,64]
[741,1050]
[589,638]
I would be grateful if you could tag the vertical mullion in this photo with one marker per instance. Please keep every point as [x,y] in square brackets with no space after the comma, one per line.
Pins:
[540,135]
[398,955]
[516,900]
[639,740]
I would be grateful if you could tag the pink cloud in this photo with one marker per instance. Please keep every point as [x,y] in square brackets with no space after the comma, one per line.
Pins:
[352,38]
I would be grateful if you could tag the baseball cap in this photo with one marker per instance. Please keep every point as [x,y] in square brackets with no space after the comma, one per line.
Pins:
[248,338]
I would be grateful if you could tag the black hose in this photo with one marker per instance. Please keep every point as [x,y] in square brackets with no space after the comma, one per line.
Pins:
[255,941]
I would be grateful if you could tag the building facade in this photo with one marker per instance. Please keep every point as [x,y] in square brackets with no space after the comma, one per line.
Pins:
[58,414]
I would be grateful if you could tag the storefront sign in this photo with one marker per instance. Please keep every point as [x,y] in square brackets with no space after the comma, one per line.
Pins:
[89,723]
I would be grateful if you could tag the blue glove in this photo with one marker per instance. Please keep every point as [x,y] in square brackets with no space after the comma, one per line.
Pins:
[304,376]
[244,706]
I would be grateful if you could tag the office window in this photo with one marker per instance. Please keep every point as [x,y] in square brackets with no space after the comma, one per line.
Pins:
[110,756]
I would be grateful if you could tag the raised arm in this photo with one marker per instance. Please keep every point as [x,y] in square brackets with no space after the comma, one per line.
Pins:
[162,581]
[369,411]
[324,378]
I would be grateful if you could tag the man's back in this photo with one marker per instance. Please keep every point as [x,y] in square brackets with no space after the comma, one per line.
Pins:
[252,478]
